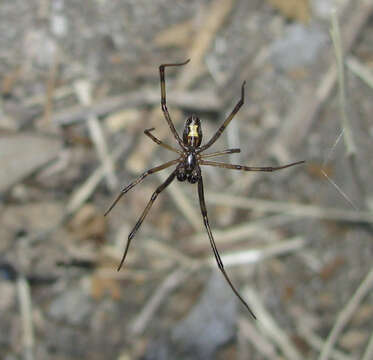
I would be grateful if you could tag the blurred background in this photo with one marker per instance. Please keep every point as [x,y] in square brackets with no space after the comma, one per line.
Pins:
[79,85]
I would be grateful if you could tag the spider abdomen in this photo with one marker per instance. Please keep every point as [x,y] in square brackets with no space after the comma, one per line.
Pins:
[181,174]
[193,177]
[188,169]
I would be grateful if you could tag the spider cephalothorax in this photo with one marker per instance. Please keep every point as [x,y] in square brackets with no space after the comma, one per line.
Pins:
[188,167]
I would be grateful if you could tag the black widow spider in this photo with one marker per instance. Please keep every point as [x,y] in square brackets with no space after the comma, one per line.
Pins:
[188,167]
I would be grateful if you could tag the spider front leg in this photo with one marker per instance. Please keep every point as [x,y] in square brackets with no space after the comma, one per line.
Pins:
[163,101]
[145,212]
[212,242]
[226,121]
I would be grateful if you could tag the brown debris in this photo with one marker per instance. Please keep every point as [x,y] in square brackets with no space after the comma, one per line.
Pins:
[298,10]
[88,223]
[177,35]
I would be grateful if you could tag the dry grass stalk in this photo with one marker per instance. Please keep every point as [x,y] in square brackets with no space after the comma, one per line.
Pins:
[350,145]
[24,296]
[368,353]
[337,43]
[345,315]
[171,282]
[260,342]
[317,343]
[244,257]
[81,194]
[84,92]
[194,99]
[293,209]
[240,232]
[269,326]
[360,70]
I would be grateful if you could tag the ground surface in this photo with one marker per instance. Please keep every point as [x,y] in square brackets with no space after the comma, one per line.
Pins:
[79,84]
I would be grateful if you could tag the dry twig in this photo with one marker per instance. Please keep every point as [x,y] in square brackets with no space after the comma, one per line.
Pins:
[196,100]
[269,327]
[85,190]
[345,315]
[293,209]
[368,353]
[239,232]
[24,297]
[84,92]
[244,257]
[251,333]
[337,43]
[345,122]
[360,70]
[317,343]
[172,253]
[169,284]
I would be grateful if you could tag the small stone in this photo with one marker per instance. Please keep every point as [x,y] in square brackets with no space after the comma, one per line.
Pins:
[73,306]
[299,47]
[59,25]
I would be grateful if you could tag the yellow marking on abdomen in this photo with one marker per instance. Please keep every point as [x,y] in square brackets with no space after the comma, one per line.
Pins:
[193,131]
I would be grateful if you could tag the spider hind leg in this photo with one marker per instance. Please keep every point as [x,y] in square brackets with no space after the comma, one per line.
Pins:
[213,245]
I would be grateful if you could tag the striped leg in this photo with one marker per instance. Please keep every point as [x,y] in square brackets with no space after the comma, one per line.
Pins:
[247,168]
[226,122]
[145,212]
[139,179]
[163,101]
[147,132]
[224,152]
[213,245]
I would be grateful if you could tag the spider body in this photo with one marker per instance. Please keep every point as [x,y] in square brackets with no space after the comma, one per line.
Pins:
[188,168]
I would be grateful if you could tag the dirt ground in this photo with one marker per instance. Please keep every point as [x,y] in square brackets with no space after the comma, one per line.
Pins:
[79,85]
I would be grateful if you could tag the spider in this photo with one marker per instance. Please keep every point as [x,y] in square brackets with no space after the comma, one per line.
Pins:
[188,167]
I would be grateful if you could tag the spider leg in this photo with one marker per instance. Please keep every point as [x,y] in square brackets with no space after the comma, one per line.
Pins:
[159,142]
[213,245]
[247,168]
[228,151]
[226,121]
[145,212]
[138,180]
[163,101]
